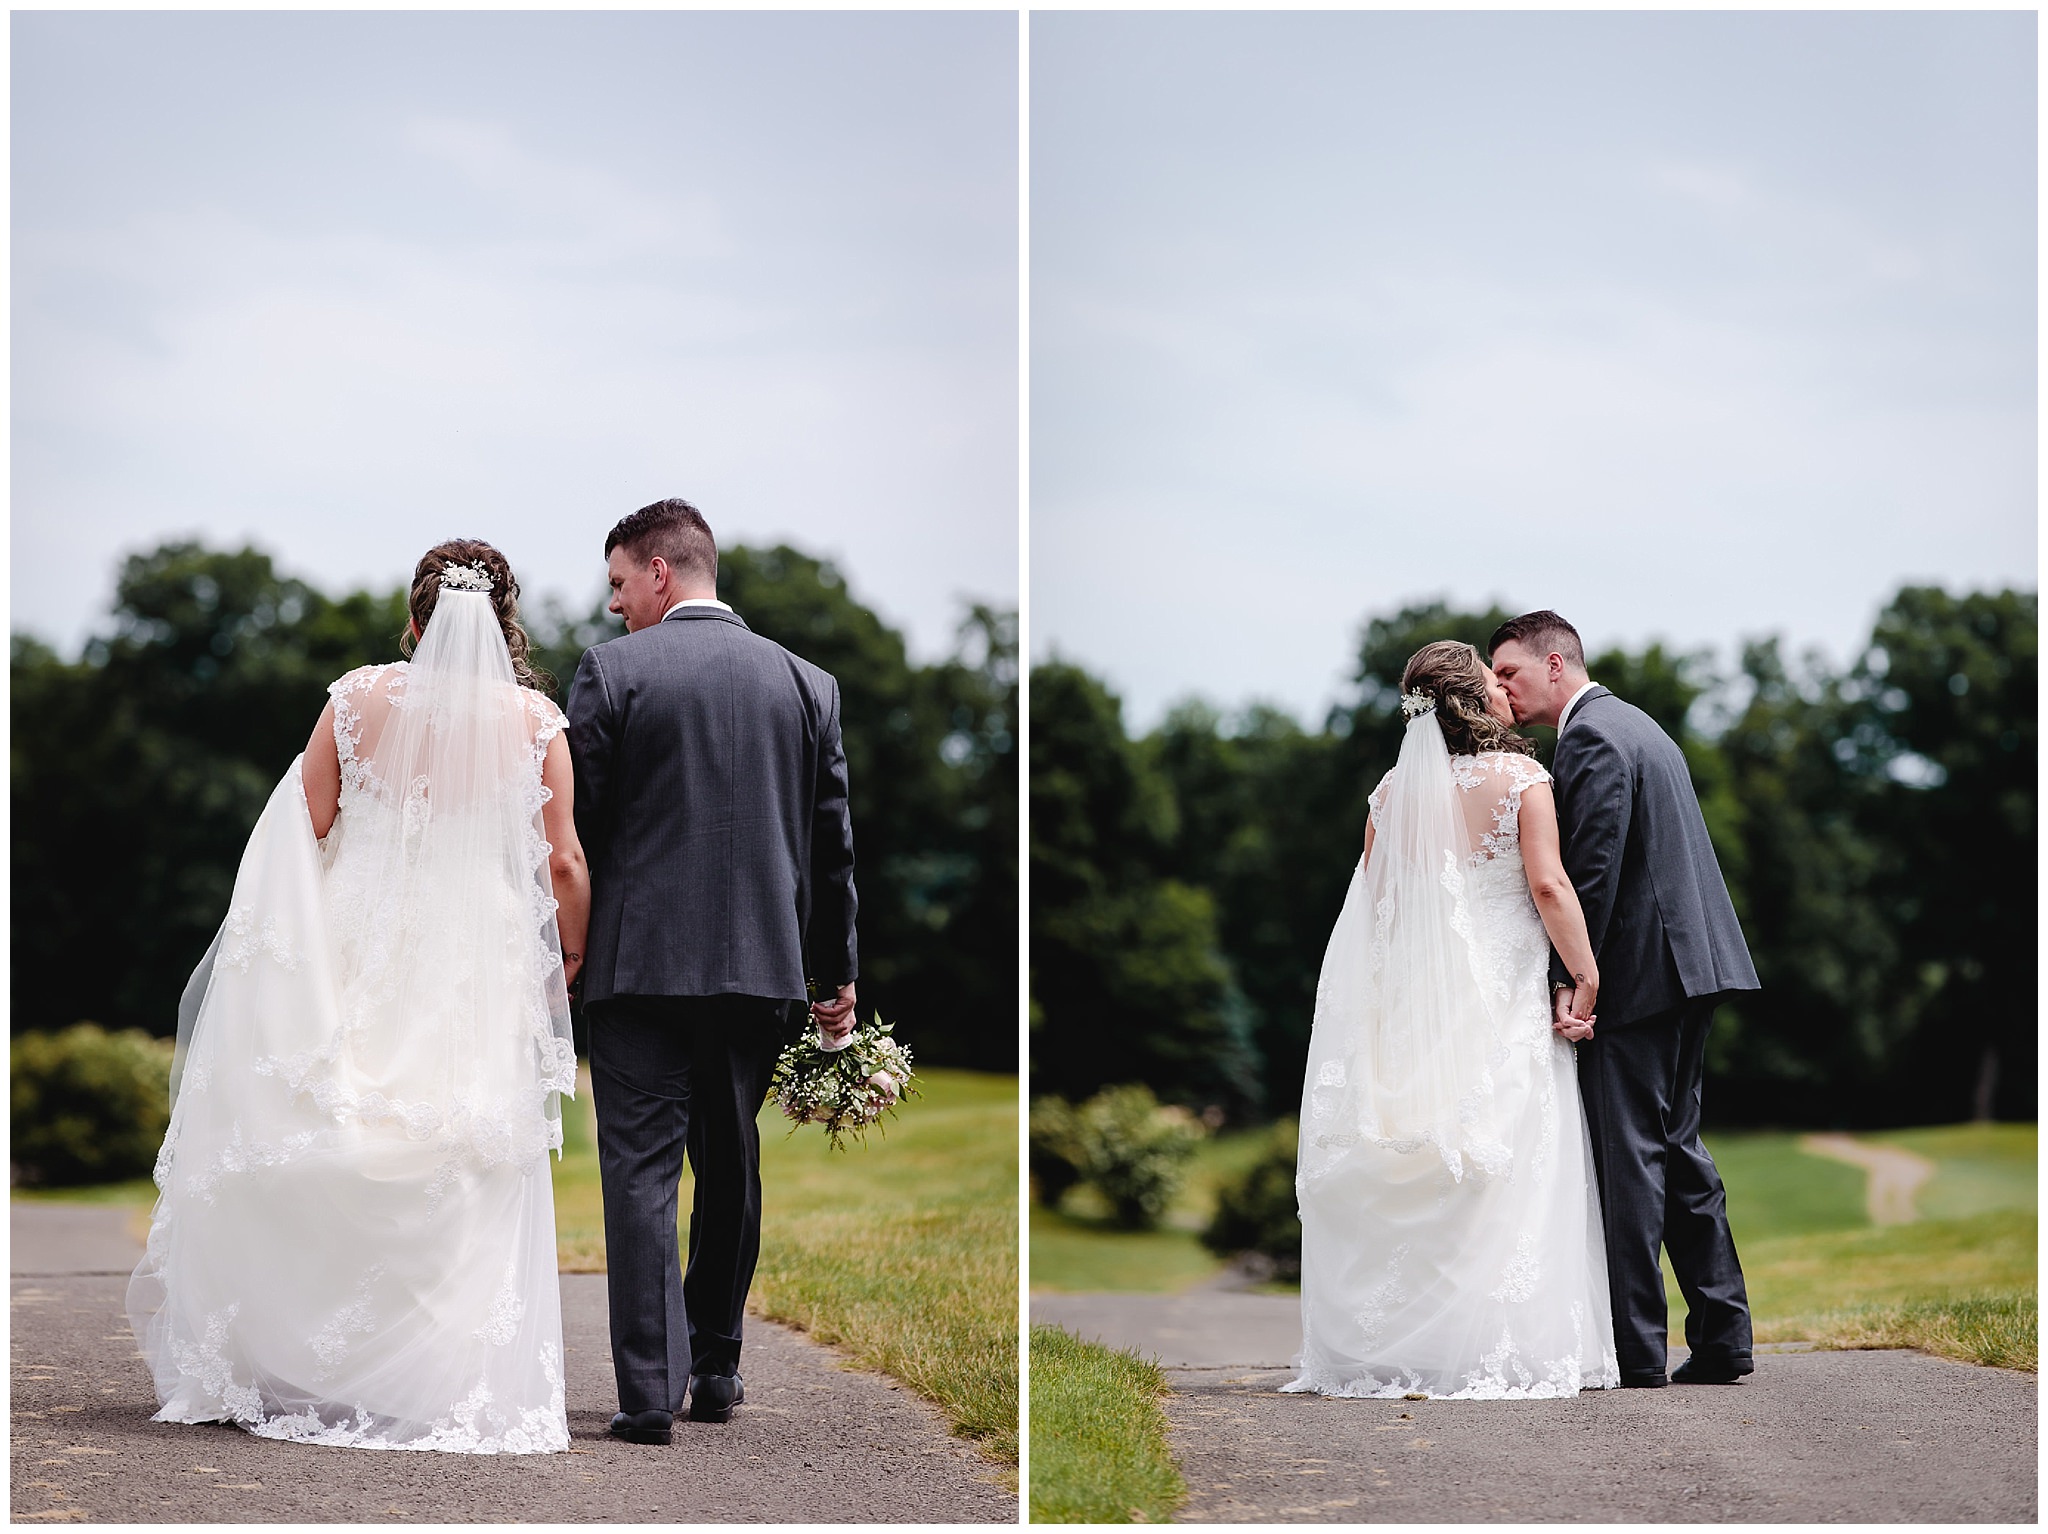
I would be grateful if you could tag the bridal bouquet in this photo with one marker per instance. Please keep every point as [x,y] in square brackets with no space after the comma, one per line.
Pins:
[846,1086]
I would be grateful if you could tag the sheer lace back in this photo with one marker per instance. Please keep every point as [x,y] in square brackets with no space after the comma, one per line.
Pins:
[368,699]
[1491,786]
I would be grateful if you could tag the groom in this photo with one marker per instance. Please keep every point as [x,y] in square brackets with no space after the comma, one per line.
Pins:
[711,800]
[1670,950]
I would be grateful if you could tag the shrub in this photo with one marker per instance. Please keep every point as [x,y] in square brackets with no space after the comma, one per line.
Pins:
[1056,1154]
[88,1105]
[1123,1143]
[1256,1211]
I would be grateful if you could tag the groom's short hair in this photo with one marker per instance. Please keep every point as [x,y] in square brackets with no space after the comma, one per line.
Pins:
[1540,633]
[672,529]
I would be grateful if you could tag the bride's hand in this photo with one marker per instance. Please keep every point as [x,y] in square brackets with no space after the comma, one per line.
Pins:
[572,966]
[1562,1023]
[1583,998]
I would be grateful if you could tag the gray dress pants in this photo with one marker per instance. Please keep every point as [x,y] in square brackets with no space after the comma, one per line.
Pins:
[676,1076]
[1659,1187]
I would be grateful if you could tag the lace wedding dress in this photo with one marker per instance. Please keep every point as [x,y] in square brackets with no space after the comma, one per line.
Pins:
[1451,1240]
[354,1243]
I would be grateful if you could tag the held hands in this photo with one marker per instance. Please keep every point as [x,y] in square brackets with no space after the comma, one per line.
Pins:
[835,1017]
[1572,1010]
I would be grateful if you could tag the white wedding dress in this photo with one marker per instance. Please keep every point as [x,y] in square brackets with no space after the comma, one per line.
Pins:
[1451,1239]
[354,1242]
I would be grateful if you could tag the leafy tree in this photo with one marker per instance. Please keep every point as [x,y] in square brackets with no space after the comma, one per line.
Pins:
[1127,982]
[139,769]
[1945,710]
[1271,824]
[1811,1046]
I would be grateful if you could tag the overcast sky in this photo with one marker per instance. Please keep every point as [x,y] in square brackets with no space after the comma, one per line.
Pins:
[347,284]
[1690,326]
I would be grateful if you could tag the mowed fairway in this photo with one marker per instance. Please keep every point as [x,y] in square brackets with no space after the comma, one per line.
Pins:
[902,1252]
[1960,1281]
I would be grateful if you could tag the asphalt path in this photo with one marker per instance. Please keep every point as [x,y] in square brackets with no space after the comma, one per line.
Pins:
[816,1441]
[1811,1437]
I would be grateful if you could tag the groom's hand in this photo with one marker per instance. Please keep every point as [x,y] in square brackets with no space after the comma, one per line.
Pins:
[835,1017]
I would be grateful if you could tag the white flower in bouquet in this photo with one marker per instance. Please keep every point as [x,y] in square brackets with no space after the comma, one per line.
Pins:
[845,1088]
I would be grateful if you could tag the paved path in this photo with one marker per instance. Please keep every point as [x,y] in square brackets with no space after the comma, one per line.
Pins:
[814,1443]
[1895,1175]
[1811,1437]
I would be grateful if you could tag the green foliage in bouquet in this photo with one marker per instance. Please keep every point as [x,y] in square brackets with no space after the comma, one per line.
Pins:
[89,1106]
[844,1089]
[1123,1142]
[1256,1210]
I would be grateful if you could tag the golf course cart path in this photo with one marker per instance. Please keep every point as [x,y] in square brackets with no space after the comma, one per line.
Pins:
[1895,1175]
[814,1443]
[1811,1437]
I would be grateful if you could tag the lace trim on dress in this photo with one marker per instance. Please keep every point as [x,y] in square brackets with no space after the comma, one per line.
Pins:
[240,944]
[1506,835]
[557,1054]
[356,776]
[474,1425]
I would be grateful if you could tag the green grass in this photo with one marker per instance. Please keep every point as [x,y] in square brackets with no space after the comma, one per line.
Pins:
[1775,1189]
[1960,1282]
[2001,1329]
[1074,1247]
[1977,1167]
[1098,1435]
[1080,1256]
[139,1193]
[901,1253]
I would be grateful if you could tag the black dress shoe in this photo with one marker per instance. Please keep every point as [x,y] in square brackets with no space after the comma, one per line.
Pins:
[1709,1369]
[644,1426]
[713,1396]
[1643,1379]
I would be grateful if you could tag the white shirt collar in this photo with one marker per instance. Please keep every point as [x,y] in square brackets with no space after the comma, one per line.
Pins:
[697,602]
[1571,704]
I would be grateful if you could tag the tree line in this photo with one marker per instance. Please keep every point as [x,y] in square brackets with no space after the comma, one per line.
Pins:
[140,767]
[1875,824]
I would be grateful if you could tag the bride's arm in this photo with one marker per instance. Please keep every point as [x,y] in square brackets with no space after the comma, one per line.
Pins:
[320,773]
[1556,901]
[565,863]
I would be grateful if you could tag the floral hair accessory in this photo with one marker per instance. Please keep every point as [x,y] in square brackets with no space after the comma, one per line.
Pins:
[1417,703]
[466,578]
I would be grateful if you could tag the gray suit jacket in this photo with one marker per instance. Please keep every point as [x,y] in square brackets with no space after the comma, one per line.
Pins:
[711,800]
[1636,848]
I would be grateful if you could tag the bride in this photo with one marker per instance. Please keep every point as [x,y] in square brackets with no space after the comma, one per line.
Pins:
[354,1243]
[1451,1240]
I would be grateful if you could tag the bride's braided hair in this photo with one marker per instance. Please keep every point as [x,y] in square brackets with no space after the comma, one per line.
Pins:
[1450,671]
[504,594]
